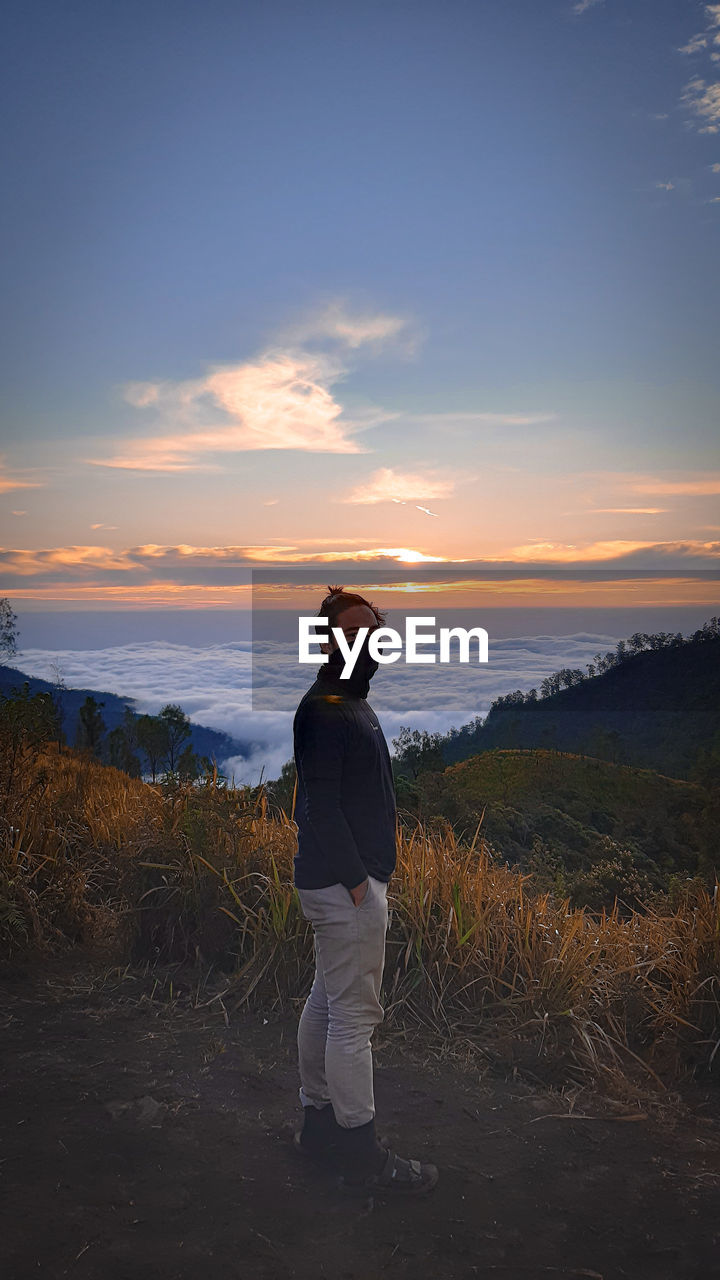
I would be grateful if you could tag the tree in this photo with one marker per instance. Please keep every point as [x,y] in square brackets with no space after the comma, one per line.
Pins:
[508,700]
[281,790]
[570,676]
[178,731]
[91,726]
[27,722]
[638,641]
[8,627]
[122,745]
[152,733]
[419,751]
[708,631]
[550,685]
[188,765]
[29,715]
[59,689]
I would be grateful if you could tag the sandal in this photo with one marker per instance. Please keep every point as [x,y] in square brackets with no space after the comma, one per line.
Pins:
[397,1175]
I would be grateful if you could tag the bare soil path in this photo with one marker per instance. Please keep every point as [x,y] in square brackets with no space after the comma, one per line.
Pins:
[145,1139]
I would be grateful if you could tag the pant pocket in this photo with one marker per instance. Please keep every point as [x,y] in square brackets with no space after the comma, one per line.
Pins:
[370,891]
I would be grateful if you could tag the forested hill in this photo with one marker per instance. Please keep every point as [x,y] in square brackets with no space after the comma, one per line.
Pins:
[657,709]
[205,742]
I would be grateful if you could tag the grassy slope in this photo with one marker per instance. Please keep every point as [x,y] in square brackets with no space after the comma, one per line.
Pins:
[189,874]
[571,803]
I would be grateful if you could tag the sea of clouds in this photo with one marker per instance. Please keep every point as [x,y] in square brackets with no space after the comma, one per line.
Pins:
[219,685]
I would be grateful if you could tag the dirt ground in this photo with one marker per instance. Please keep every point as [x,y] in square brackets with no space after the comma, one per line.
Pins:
[146,1139]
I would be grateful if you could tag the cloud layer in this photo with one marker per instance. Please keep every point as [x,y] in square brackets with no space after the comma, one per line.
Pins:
[134,571]
[213,686]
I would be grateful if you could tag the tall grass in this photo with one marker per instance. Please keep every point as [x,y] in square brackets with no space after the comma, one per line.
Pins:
[182,873]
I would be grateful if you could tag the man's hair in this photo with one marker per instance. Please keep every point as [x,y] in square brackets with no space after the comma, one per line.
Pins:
[338,600]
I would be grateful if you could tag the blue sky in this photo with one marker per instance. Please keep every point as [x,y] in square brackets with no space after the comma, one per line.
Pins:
[373,281]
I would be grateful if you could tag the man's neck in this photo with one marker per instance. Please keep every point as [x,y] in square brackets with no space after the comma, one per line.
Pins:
[356,685]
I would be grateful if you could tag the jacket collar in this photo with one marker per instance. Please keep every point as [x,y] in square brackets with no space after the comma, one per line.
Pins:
[357,684]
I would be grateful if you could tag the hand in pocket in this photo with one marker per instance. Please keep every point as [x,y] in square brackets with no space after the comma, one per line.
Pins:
[360,892]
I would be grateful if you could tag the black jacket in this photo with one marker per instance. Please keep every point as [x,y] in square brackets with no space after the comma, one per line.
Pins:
[345,806]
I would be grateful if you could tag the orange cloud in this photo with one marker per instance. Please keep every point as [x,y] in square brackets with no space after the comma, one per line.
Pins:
[388,485]
[575,553]
[152,556]
[281,401]
[8,483]
[697,488]
[24,563]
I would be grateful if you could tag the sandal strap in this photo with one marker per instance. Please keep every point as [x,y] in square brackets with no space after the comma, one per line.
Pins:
[415,1172]
[389,1172]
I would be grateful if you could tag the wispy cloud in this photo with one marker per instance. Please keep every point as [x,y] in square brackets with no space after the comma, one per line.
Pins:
[285,398]
[335,322]
[701,97]
[703,100]
[402,503]
[708,485]
[694,44]
[10,482]
[709,38]
[389,485]
[467,420]
[282,399]
[622,486]
[665,186]
[582,6]
[627,511]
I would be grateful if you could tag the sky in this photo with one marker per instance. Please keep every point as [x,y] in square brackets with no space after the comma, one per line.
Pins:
[381,283]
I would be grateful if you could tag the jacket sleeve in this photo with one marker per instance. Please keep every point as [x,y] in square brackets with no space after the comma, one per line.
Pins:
[320,735]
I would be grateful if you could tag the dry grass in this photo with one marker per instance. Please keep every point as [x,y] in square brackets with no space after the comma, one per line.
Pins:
[177,873]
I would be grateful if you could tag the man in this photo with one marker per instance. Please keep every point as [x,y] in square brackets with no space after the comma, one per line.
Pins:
[346,817]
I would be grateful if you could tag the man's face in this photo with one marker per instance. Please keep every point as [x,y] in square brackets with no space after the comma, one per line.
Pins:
[350,621]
